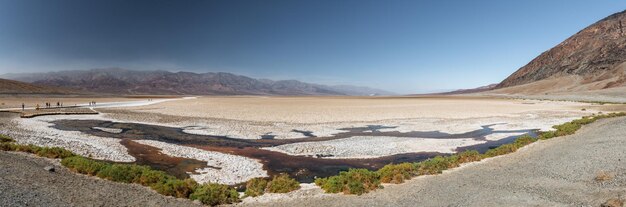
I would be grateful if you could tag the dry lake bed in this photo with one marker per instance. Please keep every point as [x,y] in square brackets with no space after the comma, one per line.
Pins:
[230,140]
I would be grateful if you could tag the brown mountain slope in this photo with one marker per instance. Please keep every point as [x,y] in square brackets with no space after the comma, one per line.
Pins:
[16,87]
[592,59]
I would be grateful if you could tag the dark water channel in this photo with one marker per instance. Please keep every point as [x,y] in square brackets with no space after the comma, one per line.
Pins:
[303,168]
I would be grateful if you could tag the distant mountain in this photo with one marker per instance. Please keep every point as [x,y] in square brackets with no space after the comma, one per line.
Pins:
[122,81]
[472,90]
[16,87]
[592,59]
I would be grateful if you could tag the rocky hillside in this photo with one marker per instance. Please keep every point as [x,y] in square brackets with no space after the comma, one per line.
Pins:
[16,87]
[591,59]
[122,81]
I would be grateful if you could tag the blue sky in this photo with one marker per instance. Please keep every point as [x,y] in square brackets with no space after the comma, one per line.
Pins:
[403,46]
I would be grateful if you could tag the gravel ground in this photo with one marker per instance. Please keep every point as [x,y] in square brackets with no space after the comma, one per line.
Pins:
[24,182]
[556,172]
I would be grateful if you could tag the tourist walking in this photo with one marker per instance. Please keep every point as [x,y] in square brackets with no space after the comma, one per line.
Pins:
[23,106]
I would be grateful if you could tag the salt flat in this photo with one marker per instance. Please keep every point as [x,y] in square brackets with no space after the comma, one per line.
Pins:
[250,117]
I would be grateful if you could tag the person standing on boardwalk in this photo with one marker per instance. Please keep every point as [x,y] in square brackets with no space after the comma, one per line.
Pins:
[22,106]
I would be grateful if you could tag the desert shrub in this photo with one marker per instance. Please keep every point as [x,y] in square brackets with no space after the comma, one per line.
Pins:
[5,138]
[436,165]
[27,148]
[83,165]
[152,177]
[176,187]
[469,156]
[282,184]
[54,152]
[524,140]
[256,187]
[501,150]
[215,194]
[567,128]
[333,184]
[353,181]
[122,172]
[8,146]
[547,135]
[397,173]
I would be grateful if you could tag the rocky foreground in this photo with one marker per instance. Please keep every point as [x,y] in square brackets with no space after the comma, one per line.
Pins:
[25,182]
[585,169]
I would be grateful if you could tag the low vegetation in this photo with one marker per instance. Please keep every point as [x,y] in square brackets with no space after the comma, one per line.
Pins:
[359,181]
[8,144]
[278,184]
[215,194]
[255,187]
[282,184]
[353,181]
[161,182]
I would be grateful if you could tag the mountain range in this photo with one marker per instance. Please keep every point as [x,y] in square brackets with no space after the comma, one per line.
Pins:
[131,82]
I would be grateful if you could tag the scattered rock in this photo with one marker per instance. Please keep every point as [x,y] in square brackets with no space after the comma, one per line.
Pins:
[49,168]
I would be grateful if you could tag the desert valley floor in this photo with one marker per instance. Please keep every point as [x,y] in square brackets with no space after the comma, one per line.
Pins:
[230,140]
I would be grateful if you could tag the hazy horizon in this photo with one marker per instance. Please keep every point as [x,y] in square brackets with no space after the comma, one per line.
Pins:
[399,46]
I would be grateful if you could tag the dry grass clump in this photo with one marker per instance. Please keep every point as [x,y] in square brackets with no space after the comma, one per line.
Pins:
[603,176]
[613,202]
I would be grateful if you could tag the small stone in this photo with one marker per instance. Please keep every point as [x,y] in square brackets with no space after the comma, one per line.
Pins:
[49,168]
[197,202]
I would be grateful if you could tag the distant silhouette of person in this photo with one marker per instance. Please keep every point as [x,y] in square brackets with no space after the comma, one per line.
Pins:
[23,106]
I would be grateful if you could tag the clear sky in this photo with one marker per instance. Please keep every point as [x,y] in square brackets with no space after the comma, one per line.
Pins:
[407,46]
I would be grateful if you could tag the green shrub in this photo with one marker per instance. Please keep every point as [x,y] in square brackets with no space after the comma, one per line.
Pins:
[176,187]
[353,181]
[524,140]
[152,177]
[54,152]
[27,148]
[282,184]
[122,172]
[501,150]
[215,194]
[5,138]
[436,165]
[547,135]
[8,146]
[469,156]
[83,165]
[256,187]
[397,173]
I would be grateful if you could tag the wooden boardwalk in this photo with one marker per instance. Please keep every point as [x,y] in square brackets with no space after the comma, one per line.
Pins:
[55,111]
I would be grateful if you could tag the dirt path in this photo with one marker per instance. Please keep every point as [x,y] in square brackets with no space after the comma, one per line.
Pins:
[24,182]
[557,172]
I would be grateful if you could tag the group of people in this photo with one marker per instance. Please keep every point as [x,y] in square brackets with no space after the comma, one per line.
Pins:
[93,103]
[48,105]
